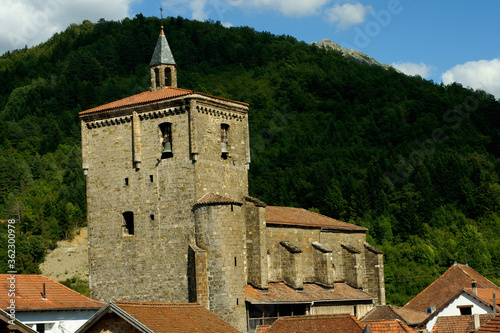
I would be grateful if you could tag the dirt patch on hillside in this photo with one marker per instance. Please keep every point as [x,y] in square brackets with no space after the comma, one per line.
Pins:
[68,259]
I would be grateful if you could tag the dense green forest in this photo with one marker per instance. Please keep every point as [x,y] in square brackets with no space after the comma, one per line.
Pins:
[415,162]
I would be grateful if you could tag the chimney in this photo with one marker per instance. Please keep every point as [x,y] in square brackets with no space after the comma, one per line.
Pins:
[474,287]
[477,322]
[44,295]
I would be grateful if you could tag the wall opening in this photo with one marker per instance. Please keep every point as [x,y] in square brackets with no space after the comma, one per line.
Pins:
[128,226]
[126,181]
[224,140]
[152,217]
[157,77]
[465,310]
[151,178]
[166,142]
[168,77]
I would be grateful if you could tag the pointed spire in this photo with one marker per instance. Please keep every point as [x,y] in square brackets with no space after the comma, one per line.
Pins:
[162,54]
[163,66]
[367,329]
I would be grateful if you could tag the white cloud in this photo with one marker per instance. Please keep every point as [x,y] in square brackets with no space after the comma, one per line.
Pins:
[410,68]
[348,14]
[215,9]
[482,74]
[30,22]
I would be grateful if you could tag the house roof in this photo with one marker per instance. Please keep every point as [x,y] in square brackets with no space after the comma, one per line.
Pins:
[389,326]
[281,293]
[301,217]
[447,285]
[216,199]
[162,53]
[29,294]
[150,97]
[335,323]
[486,295]
[163,317]
[391,312]
[491,326]
[458,324]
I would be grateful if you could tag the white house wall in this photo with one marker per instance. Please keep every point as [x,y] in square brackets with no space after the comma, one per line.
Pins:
[56,321]
[453,310]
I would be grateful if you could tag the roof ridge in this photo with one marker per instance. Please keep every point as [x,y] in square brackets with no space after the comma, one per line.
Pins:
[430,285]
[193,304]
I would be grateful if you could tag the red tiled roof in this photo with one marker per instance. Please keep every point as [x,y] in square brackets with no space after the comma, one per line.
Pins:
[262,328]
[486,294]
[458,324]
[29,289]
[171,318]
[335,323]
[152,96]
[491,326]
[281,293]
[447,285]
[216,199]
[302,217]
[390,326]
[391,312]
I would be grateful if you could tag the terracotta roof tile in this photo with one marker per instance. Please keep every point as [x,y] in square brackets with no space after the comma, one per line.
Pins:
[486,294]
[391,312]
[302,217]
[335,323]
[447,285]
[152,96]
[262,328]
[216,199]
[458,324]
[390,326]
[29,289]
[491,326]
[281,293]
[171,318]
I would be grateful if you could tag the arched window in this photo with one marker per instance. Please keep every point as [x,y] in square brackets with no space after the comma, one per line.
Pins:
[168,77]
[157,78]
[128,226]
[166,140]
[224,141]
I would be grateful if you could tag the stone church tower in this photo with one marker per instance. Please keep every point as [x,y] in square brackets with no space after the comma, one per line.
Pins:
[166,172]
[170,219]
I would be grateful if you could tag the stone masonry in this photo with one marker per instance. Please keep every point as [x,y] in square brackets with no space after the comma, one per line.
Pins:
[169,216]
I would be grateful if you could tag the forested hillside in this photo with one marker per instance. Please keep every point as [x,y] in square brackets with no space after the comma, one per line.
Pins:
[415,162]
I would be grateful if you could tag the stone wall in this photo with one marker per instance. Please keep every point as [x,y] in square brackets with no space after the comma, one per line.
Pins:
[257,264]
[221,230]
[126,172]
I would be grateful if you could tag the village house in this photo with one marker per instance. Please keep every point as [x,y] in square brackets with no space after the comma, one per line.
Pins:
[46,305]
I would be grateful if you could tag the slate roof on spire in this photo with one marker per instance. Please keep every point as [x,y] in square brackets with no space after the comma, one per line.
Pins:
[162,53]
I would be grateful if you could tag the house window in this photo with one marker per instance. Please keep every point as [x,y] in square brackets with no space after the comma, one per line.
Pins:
[166,141]
[40,328]
[224,144]
[126,181]
[465,310]
[128,226]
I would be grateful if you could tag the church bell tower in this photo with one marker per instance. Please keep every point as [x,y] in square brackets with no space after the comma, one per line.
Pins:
[166,174]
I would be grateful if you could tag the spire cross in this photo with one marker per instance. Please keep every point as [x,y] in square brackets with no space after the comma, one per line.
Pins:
[161,11]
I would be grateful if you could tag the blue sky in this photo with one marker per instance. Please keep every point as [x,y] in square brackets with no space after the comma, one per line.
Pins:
[440,40]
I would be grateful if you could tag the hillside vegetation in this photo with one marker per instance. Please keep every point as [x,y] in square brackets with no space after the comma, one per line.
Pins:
[415,162]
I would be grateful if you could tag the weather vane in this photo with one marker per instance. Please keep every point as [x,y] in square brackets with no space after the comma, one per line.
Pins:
[161,12]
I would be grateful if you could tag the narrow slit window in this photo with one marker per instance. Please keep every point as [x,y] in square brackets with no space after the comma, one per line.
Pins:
[224,141]
[168,77]
[126,181]
[128,226]
[166,140]
[152,217]
[151,178]
[235,263]
[157,77]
